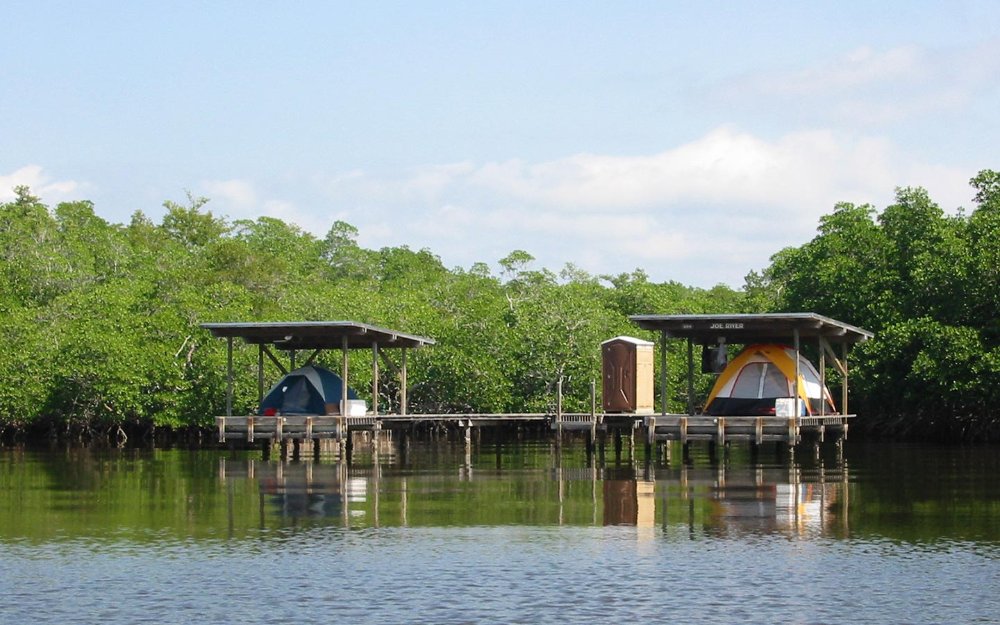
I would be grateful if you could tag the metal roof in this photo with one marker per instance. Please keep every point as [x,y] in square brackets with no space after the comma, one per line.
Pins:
[751,328]
[316,334]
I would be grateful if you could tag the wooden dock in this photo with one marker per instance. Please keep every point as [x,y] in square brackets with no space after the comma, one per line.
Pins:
[708,331]
[756,430]
[317,427]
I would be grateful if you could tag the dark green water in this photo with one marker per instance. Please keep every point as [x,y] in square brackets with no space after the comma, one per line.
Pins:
[882,534]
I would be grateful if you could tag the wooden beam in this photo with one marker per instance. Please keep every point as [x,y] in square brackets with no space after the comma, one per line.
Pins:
[260,374]
[229,376]
[375,378]
[274,359]
[343,377]
[843,396]
[402,384]
[312,357]
[388,363]
[822,379]
[828,349]
[797,394]
[690,378]
[663,372]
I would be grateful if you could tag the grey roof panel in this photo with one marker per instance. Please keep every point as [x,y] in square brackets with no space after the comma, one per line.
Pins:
[744,328]
[316,334]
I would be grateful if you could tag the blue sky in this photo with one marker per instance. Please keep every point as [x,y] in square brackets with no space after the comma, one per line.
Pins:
[691,140]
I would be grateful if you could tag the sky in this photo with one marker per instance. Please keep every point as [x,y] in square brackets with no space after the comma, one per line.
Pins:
[691,140]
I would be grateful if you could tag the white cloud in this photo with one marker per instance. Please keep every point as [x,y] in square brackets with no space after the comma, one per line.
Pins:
[858,68]
[875,87]
[734,171]
[237,193]
[708,211]
[240,199]
[41,184]
[703,212]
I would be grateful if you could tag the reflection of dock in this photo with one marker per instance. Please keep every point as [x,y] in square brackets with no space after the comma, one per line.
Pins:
[756,497]
[301,489]
[713,498]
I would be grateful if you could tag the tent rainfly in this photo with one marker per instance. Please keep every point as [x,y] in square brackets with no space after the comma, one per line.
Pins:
[310,390]
[761,374]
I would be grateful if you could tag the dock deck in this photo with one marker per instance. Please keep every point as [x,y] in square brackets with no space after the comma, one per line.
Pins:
[670,427]
[705,330]
[315,427]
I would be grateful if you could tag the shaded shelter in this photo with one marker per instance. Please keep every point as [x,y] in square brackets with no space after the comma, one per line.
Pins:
[313,337]
[716,332]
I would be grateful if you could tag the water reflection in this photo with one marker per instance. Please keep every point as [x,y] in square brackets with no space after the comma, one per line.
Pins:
[716,498]
[897,534]
[761,498]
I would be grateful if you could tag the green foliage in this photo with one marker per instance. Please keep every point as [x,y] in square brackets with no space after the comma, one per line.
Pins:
[103,319]
[928,285]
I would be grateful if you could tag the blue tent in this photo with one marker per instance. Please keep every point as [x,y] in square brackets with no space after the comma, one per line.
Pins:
[306,390]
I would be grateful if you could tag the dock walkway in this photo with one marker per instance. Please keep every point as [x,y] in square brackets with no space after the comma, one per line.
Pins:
[657,428]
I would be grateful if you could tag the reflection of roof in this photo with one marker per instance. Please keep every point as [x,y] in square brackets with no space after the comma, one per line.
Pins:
[316,334]
[747,328]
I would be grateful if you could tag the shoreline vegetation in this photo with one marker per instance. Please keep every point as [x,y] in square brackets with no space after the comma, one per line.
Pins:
[101,336]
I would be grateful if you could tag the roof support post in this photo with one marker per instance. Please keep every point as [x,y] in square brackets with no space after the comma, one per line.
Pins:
[260,374]
[291,359]
[690,377]
[375,378]
[843,391]
[822,378]
[343,377]
[663,372]
[402,384]
[229,376]
[795,386]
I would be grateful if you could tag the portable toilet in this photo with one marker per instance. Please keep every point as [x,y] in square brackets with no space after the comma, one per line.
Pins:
[627,374]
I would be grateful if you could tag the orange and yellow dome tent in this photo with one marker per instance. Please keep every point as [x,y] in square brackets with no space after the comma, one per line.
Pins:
[762,373]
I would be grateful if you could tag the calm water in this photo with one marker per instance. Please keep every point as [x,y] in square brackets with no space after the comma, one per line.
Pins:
[885,534]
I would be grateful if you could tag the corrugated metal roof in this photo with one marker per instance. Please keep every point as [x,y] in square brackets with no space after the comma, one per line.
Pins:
[316,334]
[745,328]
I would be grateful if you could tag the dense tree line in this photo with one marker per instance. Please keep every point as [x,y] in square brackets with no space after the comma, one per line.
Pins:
[928,284]
[100,320]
